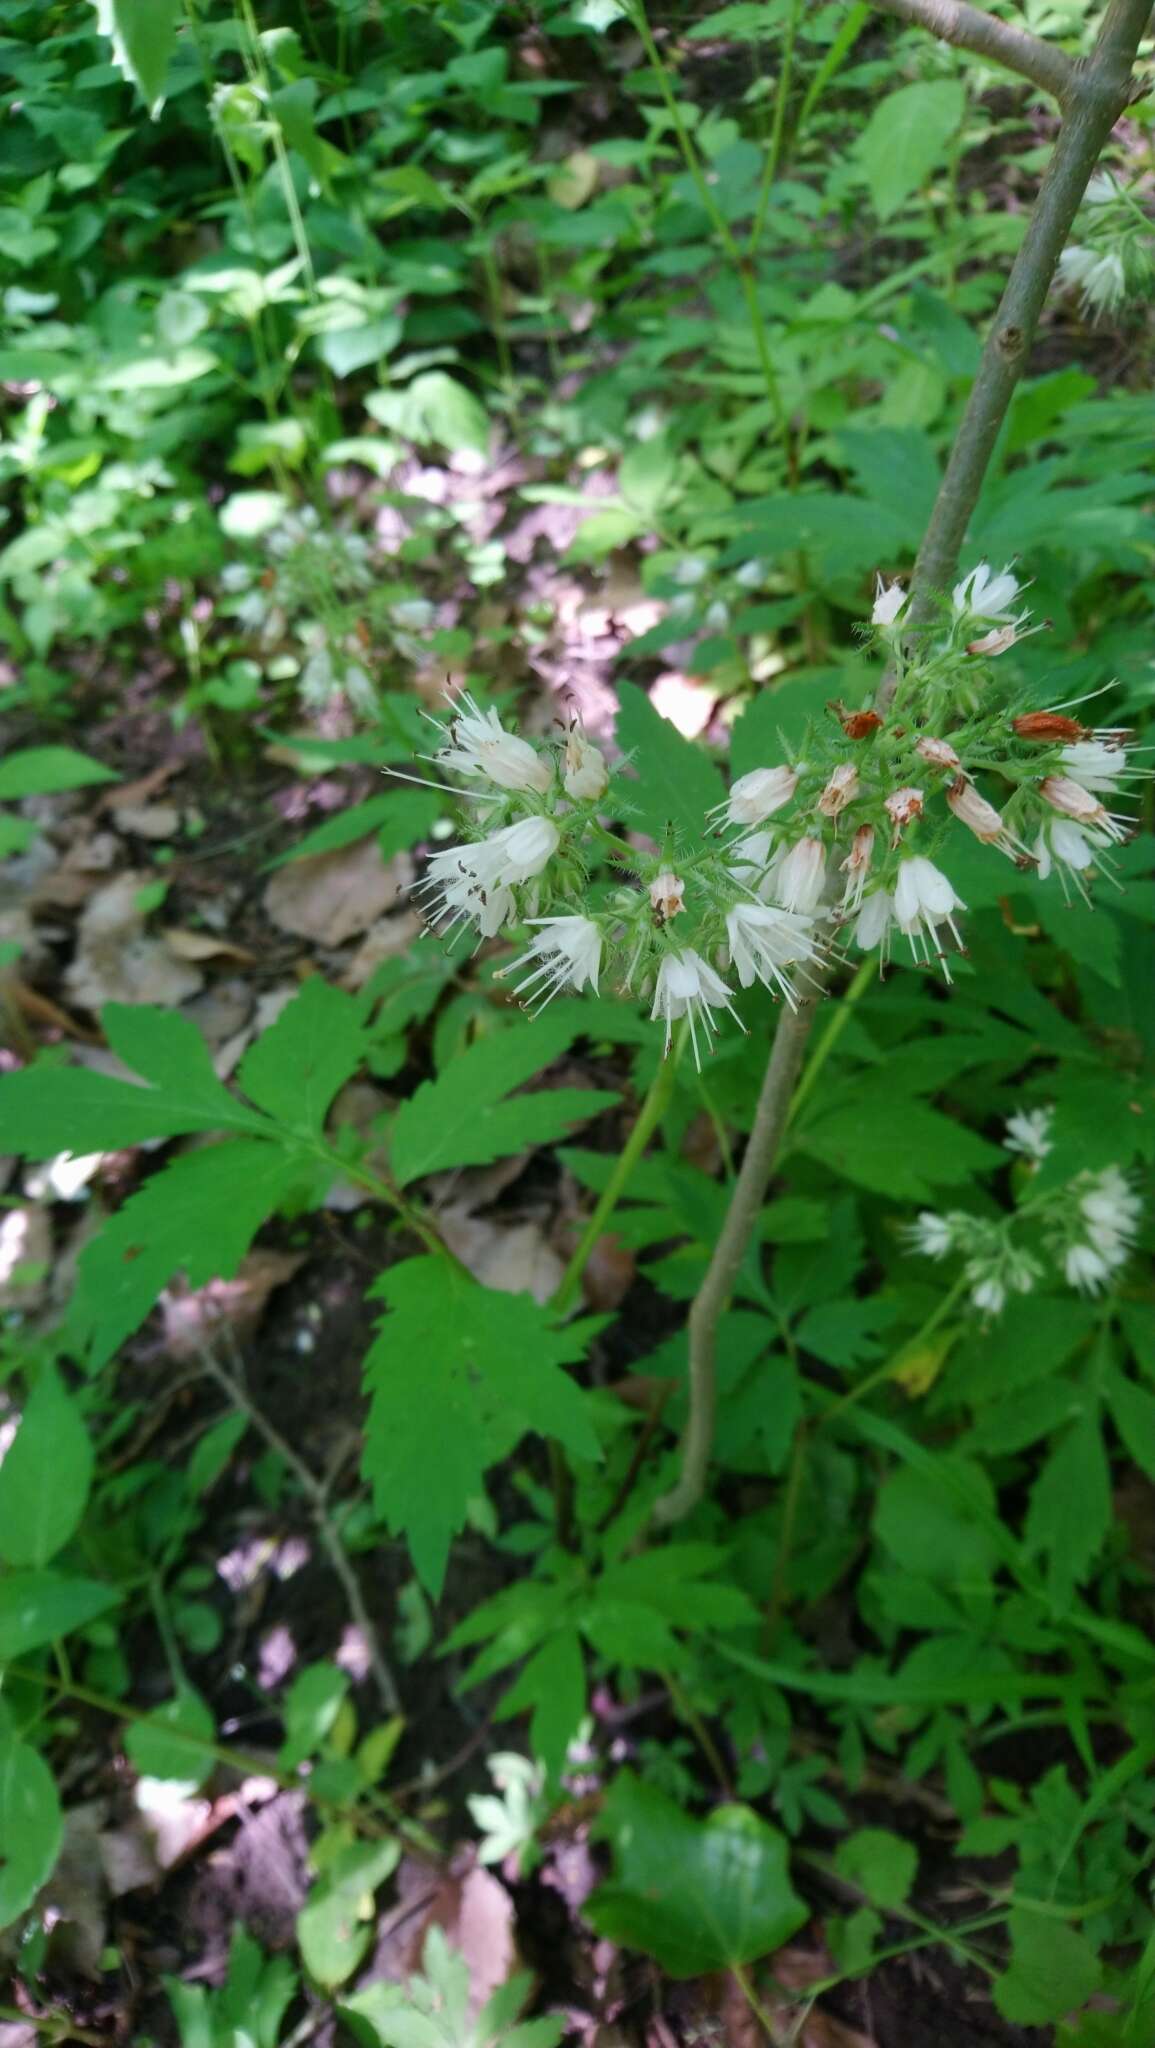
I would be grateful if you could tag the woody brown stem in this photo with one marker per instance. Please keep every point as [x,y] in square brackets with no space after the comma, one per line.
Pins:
[1095,94]
[971,28]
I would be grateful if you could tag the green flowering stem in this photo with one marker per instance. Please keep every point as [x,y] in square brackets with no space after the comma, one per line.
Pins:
[713,1296]
[867,974]
[654,1106]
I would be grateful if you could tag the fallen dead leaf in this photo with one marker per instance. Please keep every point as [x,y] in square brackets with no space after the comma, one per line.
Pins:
[361,1108]
[192,1314]
[76,1895]
[330,897]
[609,1273]
[147,821]
[116,962]
[145,786]
[511,1258]
[383,941]
[43,1010]
[73,880]
[203,946]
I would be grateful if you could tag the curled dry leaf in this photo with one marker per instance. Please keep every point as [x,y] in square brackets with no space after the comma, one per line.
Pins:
[330,897]
[116,962]
[203,946]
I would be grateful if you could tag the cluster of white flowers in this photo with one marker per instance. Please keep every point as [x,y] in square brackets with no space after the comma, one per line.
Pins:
[1086,1228]
[1114,258]
[849,839]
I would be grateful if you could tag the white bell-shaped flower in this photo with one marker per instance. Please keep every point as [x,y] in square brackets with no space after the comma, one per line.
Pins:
[688,987]
[801,876]
[478,744]
[566,953]
[764,942]
[923,900]
[986,593]
[756,797]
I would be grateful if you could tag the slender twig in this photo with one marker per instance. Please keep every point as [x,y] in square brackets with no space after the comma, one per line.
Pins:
[972,28]
[713,1295]
[328,1533]
[1099,91]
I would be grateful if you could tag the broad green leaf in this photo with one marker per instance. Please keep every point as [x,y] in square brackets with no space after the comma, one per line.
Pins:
[143,34]
[699,1895]
[400,818]
[900,1148]
[31,1826]
[1033,1338]
[40,771]
[553,1684]
[676,782]
[197,1216]
[455,1378]
[45,1476]
[463,1119]
[335,1925]
[47,1108]
[906,137]
[926,1529]
[296,1067]
[41,1607]
[172,1742]
[1053,1970]
[1075,1472]
[1133,1413]
[882,1865]
[312,1704]
[210,1456]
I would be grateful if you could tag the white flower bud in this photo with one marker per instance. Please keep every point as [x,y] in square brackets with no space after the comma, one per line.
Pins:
[756,796]
[888,602]
[585,774]
[901,806]
[801,876]
[938,753]
[1065,795]
[666,896]
[924,899]
[985,593]
[840,790]
[981,818]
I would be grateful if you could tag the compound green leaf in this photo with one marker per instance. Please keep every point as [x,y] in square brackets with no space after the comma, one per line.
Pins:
[40,771]
[198,1216]
[296,1067]
[676,783]
[1075,1473]
[143,34]
[335,1925]
[881,1864]
[553,1685]
[698,1895]
[463,1119]
[45,1476]
[455,1378]
[47,1108]
[174,1741]
[1053,1970]
[903,1150]
[40,1607]
[31,1826]
[906,137]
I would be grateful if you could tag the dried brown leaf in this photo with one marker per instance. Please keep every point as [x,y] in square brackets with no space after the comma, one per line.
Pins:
[330,897]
